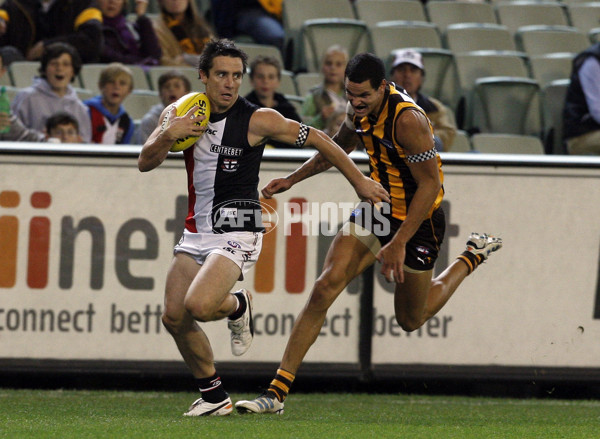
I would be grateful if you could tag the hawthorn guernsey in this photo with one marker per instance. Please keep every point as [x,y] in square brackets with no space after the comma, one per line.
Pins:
[182,106]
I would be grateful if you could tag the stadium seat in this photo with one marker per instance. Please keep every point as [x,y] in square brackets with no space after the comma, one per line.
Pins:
[190,72]
[6,79]
[84,94]
[471,66]
[444,13]
[245,88]
[539,40]
[305,81]
[297,102]
[296,12]
[138,103]
[515,14]
[253,50]
[507,105]
[553,102]
[507,144]
[390,35]
[90,73]
[288,83]
[584,16]
[319,34]
[11,91]
[467,37]
[574,2]
[461,143]
[374,11]
[549,67]
[23,72]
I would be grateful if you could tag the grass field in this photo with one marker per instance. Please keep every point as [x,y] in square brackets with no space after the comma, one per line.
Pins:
[125,414]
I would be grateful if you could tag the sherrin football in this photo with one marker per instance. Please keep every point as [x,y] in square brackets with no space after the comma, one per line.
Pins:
[182,106]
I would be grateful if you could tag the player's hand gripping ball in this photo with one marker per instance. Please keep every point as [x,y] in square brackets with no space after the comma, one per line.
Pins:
[182,106]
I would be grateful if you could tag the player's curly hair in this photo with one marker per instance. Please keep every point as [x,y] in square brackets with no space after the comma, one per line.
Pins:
[365,66]
[220,47]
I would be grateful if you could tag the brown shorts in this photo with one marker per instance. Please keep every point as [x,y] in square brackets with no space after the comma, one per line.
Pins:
[421,250]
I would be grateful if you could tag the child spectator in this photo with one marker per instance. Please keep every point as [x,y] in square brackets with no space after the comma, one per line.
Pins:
[32,25]
[61,127]
[52,91]
[325,98]
[182,32]
[127,42]
[265,76]
[16,130]
[111,125]
[334,121]
[171,86]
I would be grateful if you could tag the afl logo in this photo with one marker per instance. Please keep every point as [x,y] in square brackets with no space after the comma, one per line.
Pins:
[229,165]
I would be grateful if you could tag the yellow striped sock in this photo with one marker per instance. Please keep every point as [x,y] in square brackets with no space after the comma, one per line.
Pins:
[280,386]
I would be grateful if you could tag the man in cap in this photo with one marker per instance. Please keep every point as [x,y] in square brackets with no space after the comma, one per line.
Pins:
[408,72]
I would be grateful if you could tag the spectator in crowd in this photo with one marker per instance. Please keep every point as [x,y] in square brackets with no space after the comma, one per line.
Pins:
[127,42]
[334,121]
[182,32]
[52,91]
[31,25]
[582,105]
[61,127]
[171,86]
[16,130]
[259,19]
[409,73]
[265,77]
[324,99]
[111,125]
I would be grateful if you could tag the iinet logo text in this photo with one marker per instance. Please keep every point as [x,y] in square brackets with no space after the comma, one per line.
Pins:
[86,237]
[284,252]
[40,249]
[39,241]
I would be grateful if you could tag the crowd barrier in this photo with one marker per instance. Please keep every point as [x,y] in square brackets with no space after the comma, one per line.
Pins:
[86,240]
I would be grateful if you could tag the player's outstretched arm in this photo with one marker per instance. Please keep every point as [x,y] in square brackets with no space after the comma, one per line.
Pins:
[270,124]
[170,128]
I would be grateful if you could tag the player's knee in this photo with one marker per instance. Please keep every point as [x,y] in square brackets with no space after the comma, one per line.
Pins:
[409,323]
[324,293]
[198,309]
[172,323]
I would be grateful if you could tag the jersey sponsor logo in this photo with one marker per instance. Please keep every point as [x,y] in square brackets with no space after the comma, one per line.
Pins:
[229,165]
[423,250]
[211,132]
[242,214]
[234,244]
[228,212]
[386,143]
[228,151]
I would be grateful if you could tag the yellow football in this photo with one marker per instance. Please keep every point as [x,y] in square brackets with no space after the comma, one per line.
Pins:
[182,106]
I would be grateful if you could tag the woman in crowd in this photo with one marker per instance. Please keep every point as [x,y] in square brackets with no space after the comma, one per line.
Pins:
[128,42]
[182,32]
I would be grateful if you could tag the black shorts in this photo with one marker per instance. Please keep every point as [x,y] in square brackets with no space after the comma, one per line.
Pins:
[421,250]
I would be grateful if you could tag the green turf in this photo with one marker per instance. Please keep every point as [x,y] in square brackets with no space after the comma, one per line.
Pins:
[120,414]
